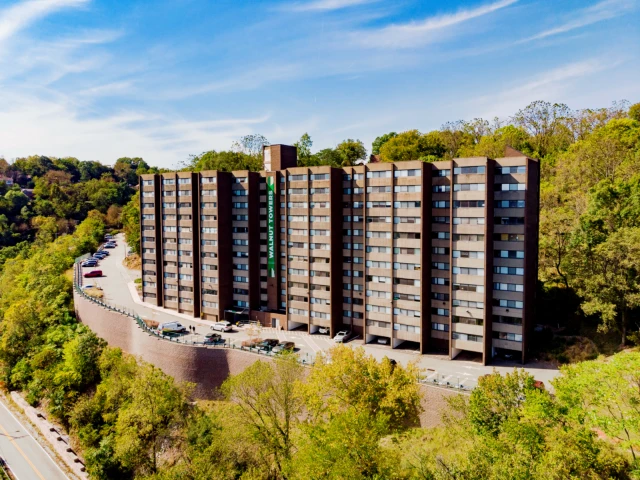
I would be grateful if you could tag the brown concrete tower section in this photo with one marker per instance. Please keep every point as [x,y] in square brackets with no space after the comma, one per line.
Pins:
[441,255]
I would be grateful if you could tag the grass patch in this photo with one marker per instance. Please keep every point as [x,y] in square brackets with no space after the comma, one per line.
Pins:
[94,292]
[133,262]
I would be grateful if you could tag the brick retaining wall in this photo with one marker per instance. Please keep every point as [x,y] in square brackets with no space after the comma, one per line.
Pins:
[207,367]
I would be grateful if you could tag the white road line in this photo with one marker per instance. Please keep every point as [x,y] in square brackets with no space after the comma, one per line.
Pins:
[312,344]
[37,443]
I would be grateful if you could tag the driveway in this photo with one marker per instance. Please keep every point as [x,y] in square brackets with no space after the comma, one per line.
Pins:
[117,288]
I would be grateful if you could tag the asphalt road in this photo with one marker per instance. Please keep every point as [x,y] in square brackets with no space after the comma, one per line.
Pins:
[24,455]
[117,292]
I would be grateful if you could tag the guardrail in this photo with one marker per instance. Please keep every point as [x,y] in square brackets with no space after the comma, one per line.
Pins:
[432,377]
[77,281]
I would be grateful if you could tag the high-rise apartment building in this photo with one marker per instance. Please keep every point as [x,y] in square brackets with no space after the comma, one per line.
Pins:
[441,254]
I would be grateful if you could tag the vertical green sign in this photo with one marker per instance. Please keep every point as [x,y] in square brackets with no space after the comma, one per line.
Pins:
[271,227]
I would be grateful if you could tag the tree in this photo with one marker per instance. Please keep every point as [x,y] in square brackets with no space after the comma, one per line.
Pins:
[150,421]
[546,123]
[130,219]
[326,156]
[412,145]
[303,147]
[269,405]
[608,278]
[251,145]
[355,380]
[113,217]
[224,161]
[380,141]
[605,394]
[634,112]
[351,151]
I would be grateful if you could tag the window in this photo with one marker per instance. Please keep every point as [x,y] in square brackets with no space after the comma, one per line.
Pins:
[378,309]
[468,203]
[320,176]
[440,204]
[379,174]
[184,193]
[298,311]
[297,178]
[378,294]
[499,302]
[468,271]
[406,251]
[320,204]
[208,180]
[439,266]
[298,271]
[407,188]
[406,204]
[513,337]
[379,189]
[379,204]
[147,182]
[407,235]
[168,181]
[508,287]
[445,220]
[468,237]
[406,281]
[209,230]
[378,219]
[297,191]
[148,250]
[240,218]
[319,218]
[509,170]
[208,218]
[467,254]
[169,252]
[240,193]
[378,264]
[407,173]
[440,235]
[240,205]
[468,220]
[209,242]
[468,288]
[378,279]
[240,279]
[467,304]
[148,216]
[406,312]
[185,253]
[509,220]
[441,188]
[379,249]
[508,237]
[444,312]
[507,320]
[467,170]
[209,279]
[148,193]
[441,327]
[414,220]
[509,204]
[508,253]
[509,187]
[209,193]
[440,296]
[468,187]
[466,337]
[321,233]
[319,191]
[443,173]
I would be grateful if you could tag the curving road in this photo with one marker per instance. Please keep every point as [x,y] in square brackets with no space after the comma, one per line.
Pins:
[24,455]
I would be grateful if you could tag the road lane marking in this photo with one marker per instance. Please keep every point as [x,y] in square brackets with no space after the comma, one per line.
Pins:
[37,472]
[34,439]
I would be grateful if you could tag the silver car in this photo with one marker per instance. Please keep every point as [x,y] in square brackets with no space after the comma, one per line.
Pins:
[342,337]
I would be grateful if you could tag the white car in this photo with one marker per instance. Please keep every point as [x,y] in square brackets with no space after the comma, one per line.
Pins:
[342,337]
[222,326]
[323,330]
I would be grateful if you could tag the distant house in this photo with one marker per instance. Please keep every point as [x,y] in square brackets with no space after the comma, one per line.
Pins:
[7,180]
[28,192]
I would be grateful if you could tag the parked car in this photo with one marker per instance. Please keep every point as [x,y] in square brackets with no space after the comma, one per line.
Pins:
[223,326]
[90,263]
[383,340]
[324,330]
[108,235]
[213,338]
[342,336]
[93,273]
[172,327]
[99,255]
[268,344]
[284,347]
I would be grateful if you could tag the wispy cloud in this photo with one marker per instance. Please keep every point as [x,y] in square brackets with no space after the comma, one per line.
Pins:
[551,85]
[19,16]
[604,10]
[324,5]
[414,34]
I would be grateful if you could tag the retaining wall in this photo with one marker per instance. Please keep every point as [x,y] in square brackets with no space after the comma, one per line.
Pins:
[207,367]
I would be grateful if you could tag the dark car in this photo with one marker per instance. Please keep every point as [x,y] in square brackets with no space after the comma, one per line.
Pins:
[90,263]
[284,347]
[109,245]
[268,344]
[213,338]
[93,273]
[99,255]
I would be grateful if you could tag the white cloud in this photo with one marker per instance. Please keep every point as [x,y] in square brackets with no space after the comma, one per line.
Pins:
[414,34]
[19,16]
[557,84]
[604,10]
[325,5]
[53,126]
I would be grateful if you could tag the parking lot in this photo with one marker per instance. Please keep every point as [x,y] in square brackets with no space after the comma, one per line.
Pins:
[118,288]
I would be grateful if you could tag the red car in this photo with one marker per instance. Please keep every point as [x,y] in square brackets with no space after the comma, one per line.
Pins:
[93,273]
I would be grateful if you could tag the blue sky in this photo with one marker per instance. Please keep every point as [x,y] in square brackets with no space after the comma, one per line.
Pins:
[100,79]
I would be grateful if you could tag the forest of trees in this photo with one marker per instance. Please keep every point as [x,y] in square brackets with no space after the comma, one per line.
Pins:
[349,415]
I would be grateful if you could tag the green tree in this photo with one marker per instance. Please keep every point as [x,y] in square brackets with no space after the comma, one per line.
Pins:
[380,141]
[269,405]
[351,151]
[634,112]
[412,145]
[303,147]
[130,218]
